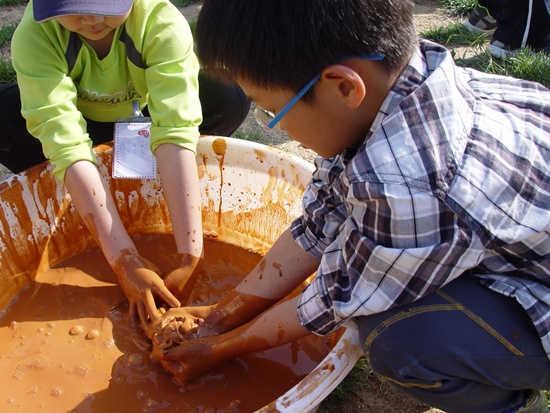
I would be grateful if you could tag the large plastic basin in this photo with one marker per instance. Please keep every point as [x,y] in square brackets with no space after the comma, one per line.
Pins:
[250,194]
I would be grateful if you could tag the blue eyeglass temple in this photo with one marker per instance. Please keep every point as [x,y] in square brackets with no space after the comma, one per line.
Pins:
[288,106]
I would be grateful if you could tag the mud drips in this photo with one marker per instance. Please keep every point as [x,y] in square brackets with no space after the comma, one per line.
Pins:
[219,146]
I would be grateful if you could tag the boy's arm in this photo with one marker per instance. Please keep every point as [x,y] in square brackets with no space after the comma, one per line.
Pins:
[279,325]
[283,268]
[98,210]
[180,182]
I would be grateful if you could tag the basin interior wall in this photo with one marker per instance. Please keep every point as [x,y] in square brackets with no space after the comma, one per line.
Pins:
[250,194]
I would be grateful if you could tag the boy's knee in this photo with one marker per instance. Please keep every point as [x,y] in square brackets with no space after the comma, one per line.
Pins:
[390,352]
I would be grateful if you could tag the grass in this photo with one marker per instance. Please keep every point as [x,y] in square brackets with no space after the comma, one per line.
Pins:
[7,74]
[353,385]
[182,3]
[12,2]
[253,136]
[455,34]
[6,33]
[526,64]
[459,8]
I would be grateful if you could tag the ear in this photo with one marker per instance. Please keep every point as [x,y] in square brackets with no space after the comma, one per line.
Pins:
[346,82]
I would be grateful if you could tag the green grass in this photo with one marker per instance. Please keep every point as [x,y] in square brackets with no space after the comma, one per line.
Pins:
[525,65]
[6,33]
[459,8]
[192,25]
[254,136]
[7,73]
[182,3]
[454,34]
[12,2]
[349,388]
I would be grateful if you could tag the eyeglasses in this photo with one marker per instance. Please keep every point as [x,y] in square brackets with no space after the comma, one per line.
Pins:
[270,122]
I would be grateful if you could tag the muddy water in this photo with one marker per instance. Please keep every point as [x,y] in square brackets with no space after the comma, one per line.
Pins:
[66,344]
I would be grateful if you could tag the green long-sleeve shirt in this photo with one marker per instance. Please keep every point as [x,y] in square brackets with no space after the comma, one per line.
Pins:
[62,81]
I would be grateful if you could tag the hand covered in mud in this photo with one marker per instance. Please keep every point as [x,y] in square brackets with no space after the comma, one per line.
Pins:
[188,357]
[173,328]
[178,325]
[182,280]
[192,359]
[141,284]
[177,328]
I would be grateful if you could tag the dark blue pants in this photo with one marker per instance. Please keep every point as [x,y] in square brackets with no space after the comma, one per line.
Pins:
[464,349]
[512,16]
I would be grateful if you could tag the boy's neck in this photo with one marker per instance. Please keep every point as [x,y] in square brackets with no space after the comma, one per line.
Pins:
[102,47]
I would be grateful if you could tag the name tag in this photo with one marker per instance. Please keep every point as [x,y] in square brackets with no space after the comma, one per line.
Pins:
[133,158]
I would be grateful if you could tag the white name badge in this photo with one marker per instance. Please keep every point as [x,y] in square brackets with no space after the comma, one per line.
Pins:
[133,158]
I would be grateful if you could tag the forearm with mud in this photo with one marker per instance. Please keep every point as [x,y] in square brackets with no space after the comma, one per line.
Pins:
[97,208]
[180,182]
[283,268]
[277,326]
[95,204]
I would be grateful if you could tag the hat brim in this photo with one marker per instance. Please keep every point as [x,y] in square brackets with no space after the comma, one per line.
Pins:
[49,9]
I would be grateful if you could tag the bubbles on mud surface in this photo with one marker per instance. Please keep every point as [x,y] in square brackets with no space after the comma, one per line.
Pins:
[142,394]
[76,330]
[151,405]
[81,370]
[92,334]
[35,363]
[109,343]
[56,392]
[235,405]
[138,360]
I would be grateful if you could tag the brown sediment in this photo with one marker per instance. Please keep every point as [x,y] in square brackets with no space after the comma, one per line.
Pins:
[66,343]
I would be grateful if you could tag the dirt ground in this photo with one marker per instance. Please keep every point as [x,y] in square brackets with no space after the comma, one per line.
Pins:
[376,396]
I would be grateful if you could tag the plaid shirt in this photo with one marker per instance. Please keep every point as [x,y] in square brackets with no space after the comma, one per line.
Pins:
[452,180]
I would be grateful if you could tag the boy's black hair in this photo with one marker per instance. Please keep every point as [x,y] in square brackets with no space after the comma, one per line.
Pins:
[283,44]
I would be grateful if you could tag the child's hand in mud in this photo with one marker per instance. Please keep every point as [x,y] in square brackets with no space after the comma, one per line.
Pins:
[182,280]
[173,328]
[190,359]
[141,284]
[178,325]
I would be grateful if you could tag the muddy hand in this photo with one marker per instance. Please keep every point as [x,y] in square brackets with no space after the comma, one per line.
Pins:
[141,286]
[182,280]
[173,328]
[190,359]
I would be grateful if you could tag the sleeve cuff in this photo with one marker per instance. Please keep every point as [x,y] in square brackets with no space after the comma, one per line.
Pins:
[315,309]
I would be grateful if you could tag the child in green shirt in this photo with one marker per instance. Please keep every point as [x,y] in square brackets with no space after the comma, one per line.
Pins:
[81,65]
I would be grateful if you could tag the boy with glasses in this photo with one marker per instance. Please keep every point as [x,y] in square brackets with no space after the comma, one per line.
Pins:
[426,220]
